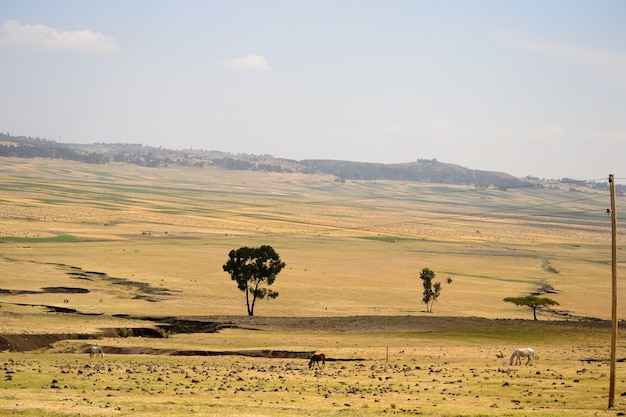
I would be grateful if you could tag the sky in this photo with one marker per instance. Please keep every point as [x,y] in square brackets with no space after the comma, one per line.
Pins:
[523,87]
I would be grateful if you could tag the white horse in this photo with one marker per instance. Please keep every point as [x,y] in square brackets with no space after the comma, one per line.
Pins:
[520,353]
[96,350]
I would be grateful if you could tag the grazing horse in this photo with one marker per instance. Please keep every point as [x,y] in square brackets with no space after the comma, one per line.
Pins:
[316,359]
[520,353]
[96,350]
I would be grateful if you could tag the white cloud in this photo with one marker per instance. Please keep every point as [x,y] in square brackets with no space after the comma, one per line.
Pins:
[437,126]
[551,131]
[430,127]
[13,34]
[610,66]
[560,135]
[250,63]
[603,138]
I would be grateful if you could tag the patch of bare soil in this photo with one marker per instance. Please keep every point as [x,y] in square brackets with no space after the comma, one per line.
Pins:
[385,324]
[26,342]
[142,290]
[55,290]
[355,324]
[56,309]
[257,353]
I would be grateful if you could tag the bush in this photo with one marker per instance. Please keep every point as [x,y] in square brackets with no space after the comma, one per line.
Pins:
[164,333]
[125,332]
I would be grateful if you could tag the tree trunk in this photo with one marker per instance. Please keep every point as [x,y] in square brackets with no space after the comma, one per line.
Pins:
[535,312]
[249,307]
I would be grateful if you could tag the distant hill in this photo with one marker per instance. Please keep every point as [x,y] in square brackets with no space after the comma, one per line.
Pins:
[422,170]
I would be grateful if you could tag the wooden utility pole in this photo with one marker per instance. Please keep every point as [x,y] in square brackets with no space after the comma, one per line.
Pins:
[614,292]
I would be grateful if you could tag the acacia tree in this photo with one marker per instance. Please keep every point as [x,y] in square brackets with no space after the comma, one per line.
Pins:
[532,302]
[431,290]
[253,269]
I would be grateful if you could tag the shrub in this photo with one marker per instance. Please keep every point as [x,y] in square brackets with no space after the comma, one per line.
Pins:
[124,332]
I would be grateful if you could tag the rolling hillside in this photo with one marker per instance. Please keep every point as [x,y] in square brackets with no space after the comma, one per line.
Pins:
[152,241]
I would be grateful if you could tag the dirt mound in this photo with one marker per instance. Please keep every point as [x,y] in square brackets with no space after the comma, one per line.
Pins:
[177,325]
[65,290]
[381,323]
[264,353]
[358,324]
[47,290]
[26,342]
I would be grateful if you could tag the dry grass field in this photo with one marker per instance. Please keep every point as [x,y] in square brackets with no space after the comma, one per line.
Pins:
[88,249]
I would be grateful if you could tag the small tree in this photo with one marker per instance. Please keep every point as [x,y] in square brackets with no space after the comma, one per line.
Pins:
[252,268]
[431,290]
[532,302]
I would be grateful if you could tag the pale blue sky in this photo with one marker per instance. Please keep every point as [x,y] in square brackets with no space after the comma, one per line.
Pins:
[524,87]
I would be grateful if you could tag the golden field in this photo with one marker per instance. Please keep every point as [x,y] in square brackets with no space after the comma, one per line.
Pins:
[144,242]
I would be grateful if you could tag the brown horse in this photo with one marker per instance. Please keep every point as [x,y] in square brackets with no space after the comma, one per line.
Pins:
[316,359]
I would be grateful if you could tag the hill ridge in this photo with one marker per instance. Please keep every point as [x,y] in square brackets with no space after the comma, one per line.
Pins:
[421,170]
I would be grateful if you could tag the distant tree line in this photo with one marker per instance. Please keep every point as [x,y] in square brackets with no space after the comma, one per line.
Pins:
[248,164]
[26,147]
[419,171]
[46,149]
[422,170]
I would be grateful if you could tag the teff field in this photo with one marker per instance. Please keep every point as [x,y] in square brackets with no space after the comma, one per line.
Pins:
[89,250]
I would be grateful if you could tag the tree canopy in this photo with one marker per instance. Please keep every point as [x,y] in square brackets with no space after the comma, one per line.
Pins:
[431,290]
[254,269]
[532,301]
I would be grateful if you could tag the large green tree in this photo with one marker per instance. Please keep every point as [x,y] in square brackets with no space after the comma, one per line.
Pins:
[254,269]
[532,301]
[432,290]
